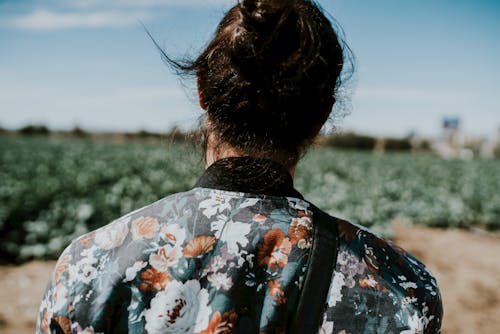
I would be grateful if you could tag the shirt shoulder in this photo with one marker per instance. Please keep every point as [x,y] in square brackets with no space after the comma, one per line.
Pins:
[385,287]
[102,260]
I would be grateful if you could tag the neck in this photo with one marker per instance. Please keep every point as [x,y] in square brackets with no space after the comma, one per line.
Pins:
[215,153]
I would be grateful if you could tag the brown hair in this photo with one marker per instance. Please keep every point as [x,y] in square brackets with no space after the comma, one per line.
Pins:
[269,77]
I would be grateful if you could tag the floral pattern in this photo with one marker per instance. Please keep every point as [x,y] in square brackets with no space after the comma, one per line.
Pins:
[213,261]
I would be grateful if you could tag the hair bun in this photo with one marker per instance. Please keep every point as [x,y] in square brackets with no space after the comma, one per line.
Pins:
[262,13]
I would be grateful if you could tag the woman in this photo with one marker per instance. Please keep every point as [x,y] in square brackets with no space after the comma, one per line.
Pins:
[232,254]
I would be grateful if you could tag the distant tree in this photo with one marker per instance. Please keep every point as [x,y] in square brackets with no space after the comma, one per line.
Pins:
[34,129]
[146,134]
[424,145]
[78,132]
[350,140]
[397,144]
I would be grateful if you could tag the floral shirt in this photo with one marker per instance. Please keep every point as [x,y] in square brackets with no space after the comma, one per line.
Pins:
[230,256]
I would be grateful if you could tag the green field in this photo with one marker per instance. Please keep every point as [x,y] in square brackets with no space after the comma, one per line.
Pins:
[54,189]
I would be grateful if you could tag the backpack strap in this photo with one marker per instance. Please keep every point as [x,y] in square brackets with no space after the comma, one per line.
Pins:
[322,262]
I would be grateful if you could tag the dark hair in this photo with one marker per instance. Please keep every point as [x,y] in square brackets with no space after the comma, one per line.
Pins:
[269,77]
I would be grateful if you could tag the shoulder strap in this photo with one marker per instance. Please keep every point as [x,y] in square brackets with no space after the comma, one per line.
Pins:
[322,262]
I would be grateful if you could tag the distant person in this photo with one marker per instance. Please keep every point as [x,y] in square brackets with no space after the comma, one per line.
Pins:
[241,251]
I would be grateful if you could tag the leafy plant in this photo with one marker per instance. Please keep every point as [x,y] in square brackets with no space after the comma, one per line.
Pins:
[55,189]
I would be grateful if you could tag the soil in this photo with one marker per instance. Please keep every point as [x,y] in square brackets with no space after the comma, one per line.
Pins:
[466,265]
[467,268]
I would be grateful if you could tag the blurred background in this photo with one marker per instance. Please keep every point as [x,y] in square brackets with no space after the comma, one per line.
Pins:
[93,125]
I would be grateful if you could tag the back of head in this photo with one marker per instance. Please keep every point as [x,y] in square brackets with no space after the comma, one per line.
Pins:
[268,78]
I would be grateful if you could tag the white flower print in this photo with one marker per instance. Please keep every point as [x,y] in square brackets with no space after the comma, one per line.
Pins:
[249,259]
[335,294]
[88,273]
[83,271]
[326,326]
[45,316]
[131,272]
[416,325]
[300,231]
[60,297]
[408,301]
[406,285]
[216,263]
[220,281]
[297,204]
[233,233]
[426,318]
[174,234]
[89,252]
[182,308]
[350,266]
[112,235]
[217,203]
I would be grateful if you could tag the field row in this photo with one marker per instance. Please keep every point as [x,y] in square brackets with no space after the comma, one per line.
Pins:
[52,190]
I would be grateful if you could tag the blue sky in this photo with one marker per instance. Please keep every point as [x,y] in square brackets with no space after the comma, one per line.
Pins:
[90,63]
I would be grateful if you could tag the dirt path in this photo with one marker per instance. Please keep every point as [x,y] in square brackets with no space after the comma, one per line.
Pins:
[466,265]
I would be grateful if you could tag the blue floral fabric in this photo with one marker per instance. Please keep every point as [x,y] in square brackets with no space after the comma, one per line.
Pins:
[218,261]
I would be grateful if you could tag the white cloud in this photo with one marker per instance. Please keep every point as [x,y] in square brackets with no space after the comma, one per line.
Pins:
[97,13]
[42,19]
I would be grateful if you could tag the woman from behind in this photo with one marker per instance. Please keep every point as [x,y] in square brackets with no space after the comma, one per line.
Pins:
[235,253]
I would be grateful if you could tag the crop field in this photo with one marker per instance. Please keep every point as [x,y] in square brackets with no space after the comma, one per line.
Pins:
[55,189]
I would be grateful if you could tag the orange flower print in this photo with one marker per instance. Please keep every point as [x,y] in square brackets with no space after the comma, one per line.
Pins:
[258,218]
[144,228]
[221,324]
[273,251]
[173,233]
[45,321]
[371,282]
[62,266]
[167,256]
[276,292]
[199,245]
[64,324]
[87,240]
[368,282]
[300,231]
[153,279]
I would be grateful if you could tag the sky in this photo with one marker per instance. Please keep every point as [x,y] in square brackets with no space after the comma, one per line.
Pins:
[89,63]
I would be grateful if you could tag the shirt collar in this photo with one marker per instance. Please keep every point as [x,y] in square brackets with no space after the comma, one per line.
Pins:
[249,175]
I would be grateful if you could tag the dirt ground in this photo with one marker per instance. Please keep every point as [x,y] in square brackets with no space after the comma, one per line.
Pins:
[467,268]
[466,265]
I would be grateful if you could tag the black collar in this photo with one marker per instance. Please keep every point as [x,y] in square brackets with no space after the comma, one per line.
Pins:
[249,175]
